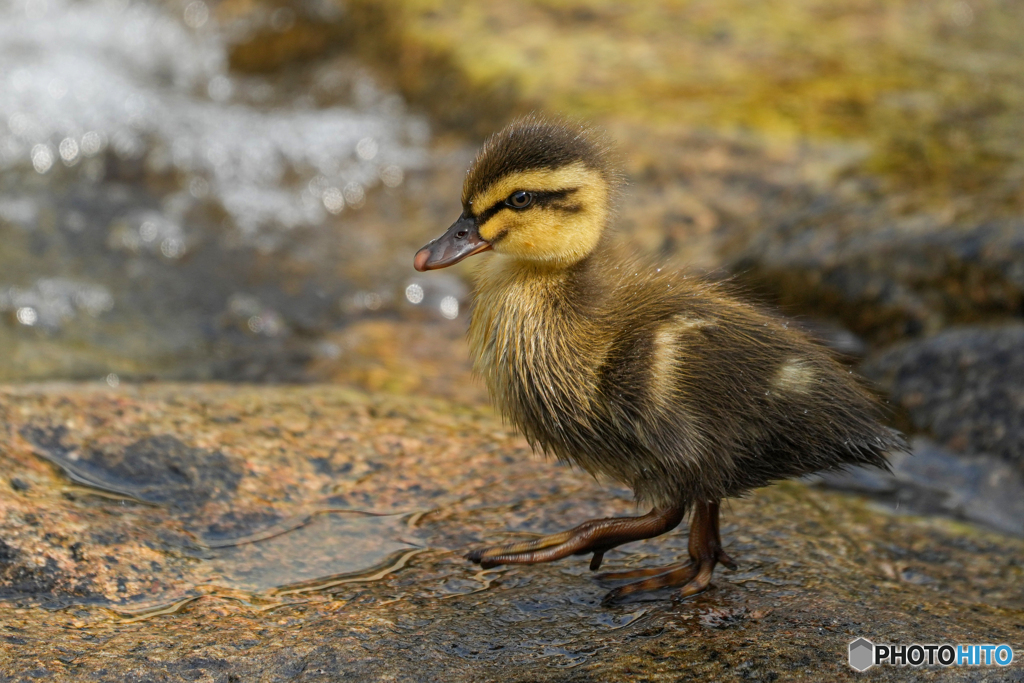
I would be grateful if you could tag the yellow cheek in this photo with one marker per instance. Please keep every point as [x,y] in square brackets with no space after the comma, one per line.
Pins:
[548,236]
[495,226]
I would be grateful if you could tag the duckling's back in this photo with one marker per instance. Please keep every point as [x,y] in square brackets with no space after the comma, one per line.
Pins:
[664,382]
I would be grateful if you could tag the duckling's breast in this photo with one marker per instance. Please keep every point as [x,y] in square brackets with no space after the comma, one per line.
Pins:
[534,344]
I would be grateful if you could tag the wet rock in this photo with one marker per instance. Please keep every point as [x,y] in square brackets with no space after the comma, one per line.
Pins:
[931,480]
[23,577]
[158,469]
[408,357]
[964,386]
[326,590]
[961,387]
[885,277]
[20,580]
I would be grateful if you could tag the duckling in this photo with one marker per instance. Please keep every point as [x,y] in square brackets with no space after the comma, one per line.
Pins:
[662,381]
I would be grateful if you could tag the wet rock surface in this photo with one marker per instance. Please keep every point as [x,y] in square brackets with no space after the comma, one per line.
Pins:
[965,386]
[933,480]
[887,277]
[343,556]
[159,469]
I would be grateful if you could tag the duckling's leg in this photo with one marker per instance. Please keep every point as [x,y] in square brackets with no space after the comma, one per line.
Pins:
[595,536]
[705,552]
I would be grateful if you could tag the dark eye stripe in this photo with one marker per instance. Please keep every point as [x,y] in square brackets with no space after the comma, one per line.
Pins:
[549,198]
[539,199]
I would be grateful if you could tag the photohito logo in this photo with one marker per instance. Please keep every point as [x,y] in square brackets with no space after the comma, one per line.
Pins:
[864,654]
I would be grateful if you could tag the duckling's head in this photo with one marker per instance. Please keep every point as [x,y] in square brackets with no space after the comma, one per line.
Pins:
[539,191]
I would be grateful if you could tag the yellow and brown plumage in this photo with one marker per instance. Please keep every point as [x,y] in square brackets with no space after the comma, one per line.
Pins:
[661,381]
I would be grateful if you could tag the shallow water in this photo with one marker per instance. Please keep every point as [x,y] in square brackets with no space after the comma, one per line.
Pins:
[326,550]
[160,215]
[81,79]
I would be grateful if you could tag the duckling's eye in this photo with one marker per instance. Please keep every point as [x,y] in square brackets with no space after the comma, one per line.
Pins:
[520,199]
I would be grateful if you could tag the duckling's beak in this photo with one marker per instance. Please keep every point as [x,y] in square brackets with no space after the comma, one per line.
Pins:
[461,240]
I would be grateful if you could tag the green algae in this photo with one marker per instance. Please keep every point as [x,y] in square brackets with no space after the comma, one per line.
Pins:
[934,90]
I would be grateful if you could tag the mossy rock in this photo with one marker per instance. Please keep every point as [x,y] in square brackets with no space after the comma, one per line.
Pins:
[935,91]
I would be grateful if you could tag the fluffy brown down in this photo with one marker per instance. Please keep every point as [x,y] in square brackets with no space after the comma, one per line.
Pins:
[664,382]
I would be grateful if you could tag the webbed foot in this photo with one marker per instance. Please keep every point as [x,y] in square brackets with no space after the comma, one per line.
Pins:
[693,577]
[596,536]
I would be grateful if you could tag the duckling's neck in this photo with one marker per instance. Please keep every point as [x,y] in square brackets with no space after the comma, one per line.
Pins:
[533,338]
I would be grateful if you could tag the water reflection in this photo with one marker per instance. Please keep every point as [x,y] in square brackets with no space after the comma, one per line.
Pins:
[212,542]
[267,570]
[332,547]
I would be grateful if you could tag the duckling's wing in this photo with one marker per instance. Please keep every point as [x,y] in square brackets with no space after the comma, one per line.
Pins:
[720,398]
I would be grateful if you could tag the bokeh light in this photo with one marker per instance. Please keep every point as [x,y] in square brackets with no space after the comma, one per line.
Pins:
[68,150]
[27,315]
[450,307]
[334,200]
[392,176]
[42,158]
[196,14]
[414,293]
[366,148]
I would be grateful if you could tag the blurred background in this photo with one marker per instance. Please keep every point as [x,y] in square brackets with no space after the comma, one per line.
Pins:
[233,190]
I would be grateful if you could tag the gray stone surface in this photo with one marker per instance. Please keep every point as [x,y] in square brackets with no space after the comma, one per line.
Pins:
[935,481]
[886,276]
[964,386]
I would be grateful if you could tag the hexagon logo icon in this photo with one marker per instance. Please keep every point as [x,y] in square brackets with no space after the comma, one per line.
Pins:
[862,654]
